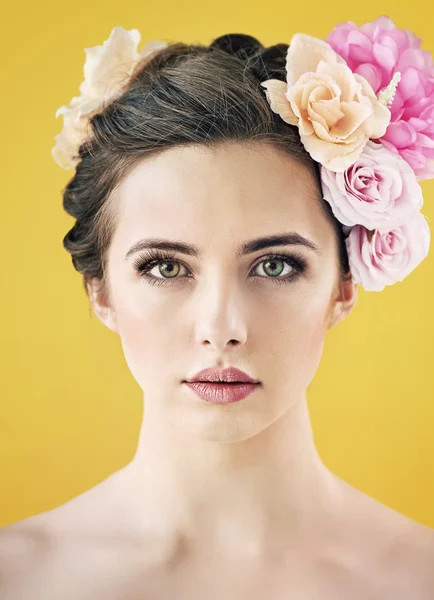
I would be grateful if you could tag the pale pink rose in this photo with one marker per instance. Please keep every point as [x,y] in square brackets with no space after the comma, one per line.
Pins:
[106,70]
[379,190]
[335,110]
[376,51]
[377,259]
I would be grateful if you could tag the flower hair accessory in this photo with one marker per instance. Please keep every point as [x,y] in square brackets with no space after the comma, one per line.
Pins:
[106,70]
[363,103]
[364,107]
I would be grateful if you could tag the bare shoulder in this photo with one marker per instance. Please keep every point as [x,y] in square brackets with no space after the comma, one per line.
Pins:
[33,536]
[31,544]
[412,553]
[23,546]
[60,552]
[403,548]
[23,538]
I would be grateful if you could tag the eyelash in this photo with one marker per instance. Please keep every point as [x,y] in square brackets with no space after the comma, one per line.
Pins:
[150,258]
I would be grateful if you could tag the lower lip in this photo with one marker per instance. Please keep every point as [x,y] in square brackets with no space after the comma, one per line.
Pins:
[220,393]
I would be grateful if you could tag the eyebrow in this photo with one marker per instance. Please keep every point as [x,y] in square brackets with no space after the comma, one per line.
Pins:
[279,239]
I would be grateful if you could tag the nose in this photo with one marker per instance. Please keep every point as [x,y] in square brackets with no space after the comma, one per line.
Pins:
[220,318]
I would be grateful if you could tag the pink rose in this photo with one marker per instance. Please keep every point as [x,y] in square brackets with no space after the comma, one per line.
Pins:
[335,110]
[378,191]
[414,140]
[376,51]
[378,259]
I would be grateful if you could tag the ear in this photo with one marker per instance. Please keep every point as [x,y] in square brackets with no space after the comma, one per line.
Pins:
[344,301]
[101,304]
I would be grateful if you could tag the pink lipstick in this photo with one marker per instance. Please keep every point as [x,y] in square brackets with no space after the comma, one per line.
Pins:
[222,386]
[222,393]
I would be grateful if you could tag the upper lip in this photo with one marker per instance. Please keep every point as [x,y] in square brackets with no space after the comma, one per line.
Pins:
[231,375]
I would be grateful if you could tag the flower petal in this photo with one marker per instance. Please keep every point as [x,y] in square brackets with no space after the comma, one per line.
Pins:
[304,55]
[275,91]
[410,80]
[376,125]
[361,45]
[411,57]
[327,112]
[342,77]
[372,74]
[336,157]
[401,134]
[108,66]
[354,114]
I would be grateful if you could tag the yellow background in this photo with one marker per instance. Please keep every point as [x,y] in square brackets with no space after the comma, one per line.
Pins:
[70,409]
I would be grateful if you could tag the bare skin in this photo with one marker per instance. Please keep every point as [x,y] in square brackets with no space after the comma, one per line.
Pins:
[221,501]
[91,548]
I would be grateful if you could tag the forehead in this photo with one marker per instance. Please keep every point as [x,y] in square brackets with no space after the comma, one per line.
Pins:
[197,194]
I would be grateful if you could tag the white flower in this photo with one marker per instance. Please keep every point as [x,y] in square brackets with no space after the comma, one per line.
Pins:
[106,70]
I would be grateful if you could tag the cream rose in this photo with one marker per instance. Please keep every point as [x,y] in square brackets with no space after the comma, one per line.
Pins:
[335,109]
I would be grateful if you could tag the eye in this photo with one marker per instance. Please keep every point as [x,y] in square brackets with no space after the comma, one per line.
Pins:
[273,266]
[165,261]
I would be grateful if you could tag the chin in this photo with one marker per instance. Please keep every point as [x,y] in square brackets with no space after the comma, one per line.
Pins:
[227,423]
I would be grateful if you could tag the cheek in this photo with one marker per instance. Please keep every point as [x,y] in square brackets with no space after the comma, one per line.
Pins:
[311,342]
[148,337]
[298,342]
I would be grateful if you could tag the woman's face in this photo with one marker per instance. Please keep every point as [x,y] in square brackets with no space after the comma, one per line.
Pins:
[221,307]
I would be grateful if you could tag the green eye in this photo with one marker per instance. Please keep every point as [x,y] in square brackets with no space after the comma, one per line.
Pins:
[162,266]
[270,266]
[169,267]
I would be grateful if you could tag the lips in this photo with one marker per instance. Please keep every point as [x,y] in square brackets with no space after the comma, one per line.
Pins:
[223,382]
[230,375]
[222,393]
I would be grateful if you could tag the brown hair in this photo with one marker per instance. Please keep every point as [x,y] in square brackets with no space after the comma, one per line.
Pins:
[183,94]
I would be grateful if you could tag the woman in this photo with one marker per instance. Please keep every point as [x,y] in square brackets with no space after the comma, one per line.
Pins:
[205,243]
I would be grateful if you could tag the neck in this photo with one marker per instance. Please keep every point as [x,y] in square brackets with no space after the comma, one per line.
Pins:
[236,496]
